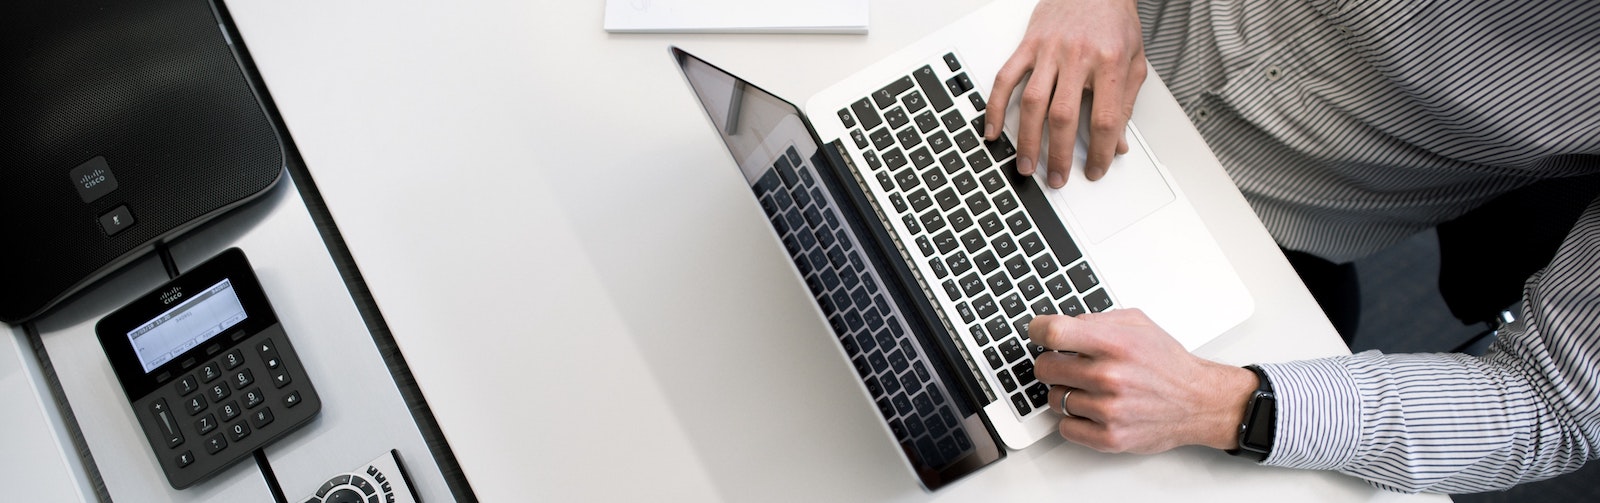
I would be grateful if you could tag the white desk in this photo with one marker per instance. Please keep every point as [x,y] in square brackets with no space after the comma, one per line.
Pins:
[592,303]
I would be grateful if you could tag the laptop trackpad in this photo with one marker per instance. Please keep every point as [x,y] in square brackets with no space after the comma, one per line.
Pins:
[1131,189]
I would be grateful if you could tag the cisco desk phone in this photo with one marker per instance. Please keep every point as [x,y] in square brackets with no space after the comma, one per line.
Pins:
[208,369]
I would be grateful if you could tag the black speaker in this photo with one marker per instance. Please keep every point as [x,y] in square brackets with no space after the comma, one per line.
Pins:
[124,124]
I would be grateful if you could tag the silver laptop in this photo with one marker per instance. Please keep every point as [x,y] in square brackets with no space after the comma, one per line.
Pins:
[927,253]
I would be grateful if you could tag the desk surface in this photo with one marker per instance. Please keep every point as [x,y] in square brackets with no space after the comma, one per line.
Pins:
[592,304]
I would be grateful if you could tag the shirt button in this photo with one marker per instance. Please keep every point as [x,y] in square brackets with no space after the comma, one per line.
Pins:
[1274,73]
[1201,114]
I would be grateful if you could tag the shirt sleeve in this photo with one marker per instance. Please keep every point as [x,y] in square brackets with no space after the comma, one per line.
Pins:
[1528,409]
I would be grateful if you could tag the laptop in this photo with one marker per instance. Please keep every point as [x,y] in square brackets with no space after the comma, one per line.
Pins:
[928,254]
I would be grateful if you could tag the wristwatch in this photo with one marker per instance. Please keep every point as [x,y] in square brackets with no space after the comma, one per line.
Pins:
[1260,420]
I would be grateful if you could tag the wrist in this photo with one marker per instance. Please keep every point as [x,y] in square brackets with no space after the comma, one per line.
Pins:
[1233,389]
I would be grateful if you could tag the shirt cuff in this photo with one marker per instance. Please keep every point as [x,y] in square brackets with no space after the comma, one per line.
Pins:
[1319,414]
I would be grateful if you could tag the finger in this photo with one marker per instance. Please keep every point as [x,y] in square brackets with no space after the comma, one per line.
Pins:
[1064,126]
[1005,82]
[1063,403]
[1067,333]
[1035,104]
[1108,118]
[1136,75]
[1062,369]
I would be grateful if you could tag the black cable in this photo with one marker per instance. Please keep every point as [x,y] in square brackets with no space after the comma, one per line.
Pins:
[167,262]
[272,478]
[59,395]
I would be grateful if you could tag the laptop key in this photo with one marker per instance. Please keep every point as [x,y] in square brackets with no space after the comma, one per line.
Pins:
[977,102]
[984,306]
[940,143]
[951,62]
[965,312]
[958,264]
[973,241]
[945,241]
[1031,245]
[997,328]
[1005,203]
[902,404]
[885,408]
[1071,307]
[947,199]
[966,184]
[979,160]
[986,262]
[1045,265]
[881,139]
[1082,276]
[959,84]
[1013,305]
[897,361]
[860,139]
[972,285]
[929,82]
[885,96]
[1006,381]
[938,267]
[951,290]
[899,430]
[960,220]
[1024,372]
[914,101]
[1058,286]
[992,355]
[926,122]
[907,178]
[1043,307]
[998,283]
[1012,349]
[925,246]
[1017,266]
[951,161]
[874,387]
[845,118]
[979,337]
[1001,148]
[1031,289]
[895,200]
[886,181]
[991,224]
[1097,300]
[908,139]
[1039,394]
[992,181]
[953,121]
[935,179]
[896,118]
[966,140]
[978,203]
[872,160]
[921,158]
[866,114]
[919,200]
[894,159]
[1020,402]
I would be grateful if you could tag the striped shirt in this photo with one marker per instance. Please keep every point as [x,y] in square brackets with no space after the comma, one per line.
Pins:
[1352,125]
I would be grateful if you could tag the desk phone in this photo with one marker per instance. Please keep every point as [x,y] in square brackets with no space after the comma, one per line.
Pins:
[208,369]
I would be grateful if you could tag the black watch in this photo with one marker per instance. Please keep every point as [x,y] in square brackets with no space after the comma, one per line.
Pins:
[1260,420]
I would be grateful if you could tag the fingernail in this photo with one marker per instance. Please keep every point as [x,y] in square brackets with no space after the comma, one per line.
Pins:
[1056,180]
[989,130]
[1024,166]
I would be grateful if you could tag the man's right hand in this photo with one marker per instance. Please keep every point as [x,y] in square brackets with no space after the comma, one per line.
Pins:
[1072,46]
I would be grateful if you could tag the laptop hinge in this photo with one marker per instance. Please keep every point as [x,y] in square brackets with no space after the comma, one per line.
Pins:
[836,150]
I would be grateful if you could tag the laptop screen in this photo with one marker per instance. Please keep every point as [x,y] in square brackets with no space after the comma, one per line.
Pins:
[805,196]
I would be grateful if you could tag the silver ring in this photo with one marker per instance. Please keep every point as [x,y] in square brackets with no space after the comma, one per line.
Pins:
[1064,402]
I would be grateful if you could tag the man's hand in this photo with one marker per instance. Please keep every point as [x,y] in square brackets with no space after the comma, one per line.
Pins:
[1134,388]
[1070,46]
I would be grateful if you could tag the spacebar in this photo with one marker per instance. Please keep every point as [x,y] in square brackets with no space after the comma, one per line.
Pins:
[1044,215]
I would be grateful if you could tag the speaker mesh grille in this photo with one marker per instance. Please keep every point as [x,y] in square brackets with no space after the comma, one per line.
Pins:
[150,85]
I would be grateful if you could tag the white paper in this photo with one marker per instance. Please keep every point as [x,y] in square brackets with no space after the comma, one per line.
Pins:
[737,16]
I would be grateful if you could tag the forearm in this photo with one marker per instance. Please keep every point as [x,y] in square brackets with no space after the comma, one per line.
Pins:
[1526,410]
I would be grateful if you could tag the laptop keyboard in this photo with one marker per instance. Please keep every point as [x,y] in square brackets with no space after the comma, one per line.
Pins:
[954,208]
[895,370]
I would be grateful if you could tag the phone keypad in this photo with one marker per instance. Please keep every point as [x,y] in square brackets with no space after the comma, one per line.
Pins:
[224,404]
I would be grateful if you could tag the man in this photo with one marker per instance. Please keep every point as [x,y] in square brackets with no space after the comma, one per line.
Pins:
[1348,126]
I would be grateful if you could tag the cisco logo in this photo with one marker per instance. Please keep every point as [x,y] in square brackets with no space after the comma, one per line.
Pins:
[93,179]
[172,295]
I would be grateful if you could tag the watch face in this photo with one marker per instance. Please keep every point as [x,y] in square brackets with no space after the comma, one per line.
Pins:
[1262,423]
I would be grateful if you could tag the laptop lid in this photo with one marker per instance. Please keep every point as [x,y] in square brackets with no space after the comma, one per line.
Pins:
[816,208]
